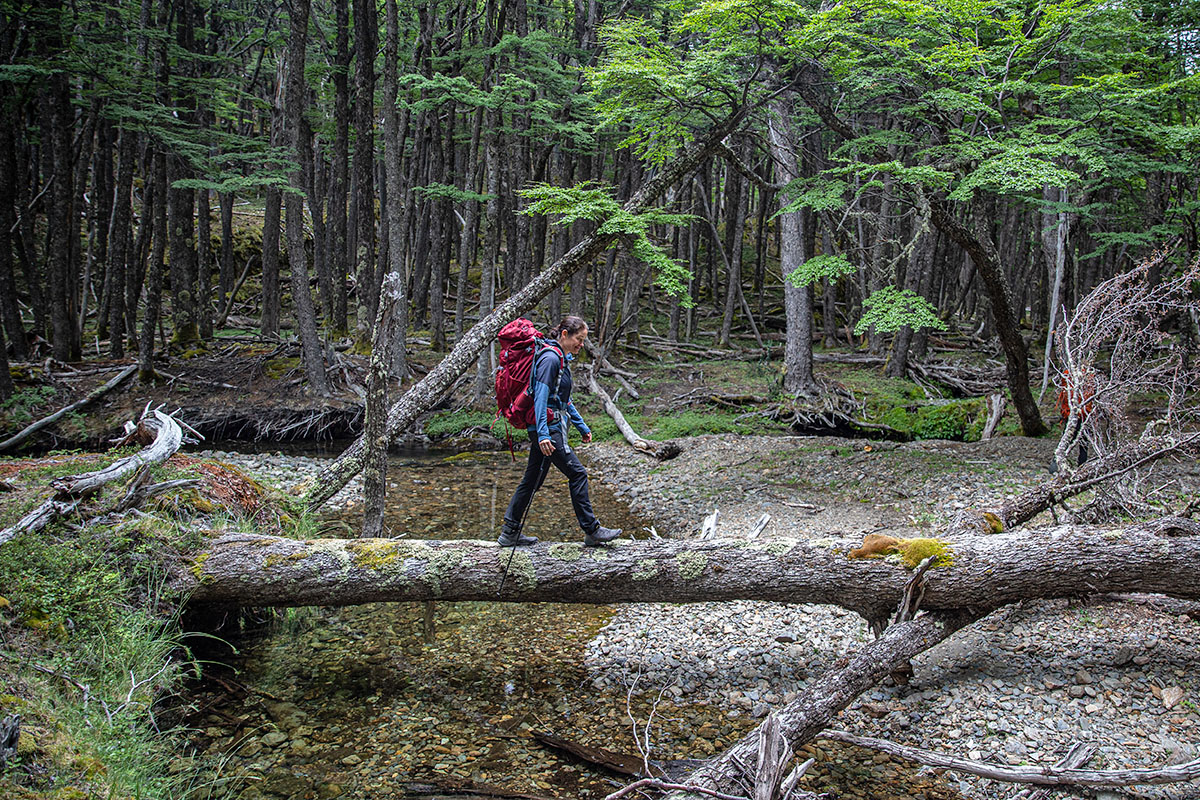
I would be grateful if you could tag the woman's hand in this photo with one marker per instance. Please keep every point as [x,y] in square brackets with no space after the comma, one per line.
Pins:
[587,437]
[546,446]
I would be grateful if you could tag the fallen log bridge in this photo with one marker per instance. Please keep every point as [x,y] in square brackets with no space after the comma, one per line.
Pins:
[982,572]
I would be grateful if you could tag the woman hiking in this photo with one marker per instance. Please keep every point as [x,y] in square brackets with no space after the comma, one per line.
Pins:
[551,386]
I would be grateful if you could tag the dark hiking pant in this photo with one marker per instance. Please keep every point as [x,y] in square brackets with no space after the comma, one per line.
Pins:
[535,473]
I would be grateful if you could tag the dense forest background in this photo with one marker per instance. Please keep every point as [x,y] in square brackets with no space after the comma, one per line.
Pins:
[170,170]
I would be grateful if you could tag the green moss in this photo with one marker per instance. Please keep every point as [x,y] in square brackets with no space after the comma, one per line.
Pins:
[373,553]
[277,368]
[647,569]
[566,551]
[465,456]
[198,569]
[275,559]
[458,423]
[959,420]
[914,551]
[691,565]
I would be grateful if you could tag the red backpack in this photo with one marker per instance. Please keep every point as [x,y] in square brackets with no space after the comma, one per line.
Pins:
[514,395]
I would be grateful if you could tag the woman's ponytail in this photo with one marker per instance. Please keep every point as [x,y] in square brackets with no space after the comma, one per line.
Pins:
[570,323]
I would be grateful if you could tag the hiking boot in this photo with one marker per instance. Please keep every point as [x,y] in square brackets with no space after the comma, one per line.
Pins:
[600,536]
[514,538]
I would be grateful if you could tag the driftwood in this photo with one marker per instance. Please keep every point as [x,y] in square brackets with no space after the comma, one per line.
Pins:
[72,487]
[169,437]
[92,396]
[995,412]
[10,734]
[37,519]
[805,717]
[987,570]
[1070,482]
[620,763]
[1078,756]
[1039,776]
[659,450]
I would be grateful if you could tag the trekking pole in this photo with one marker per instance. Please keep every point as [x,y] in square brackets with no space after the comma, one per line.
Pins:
[521,526]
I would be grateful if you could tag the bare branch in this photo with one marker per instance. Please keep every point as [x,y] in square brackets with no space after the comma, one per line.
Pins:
[1041,776]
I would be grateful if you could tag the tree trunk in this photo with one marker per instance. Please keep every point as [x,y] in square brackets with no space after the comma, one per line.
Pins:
[271,294]
[798,375]
[1054,249]
[805,717]
[338,255]
[395,189]
[469,242]
[10,311]
[204,264]
[63,226]
[737,198]
[920,262]
[366,32]
[181,210]
[120,237]
[302,302]
[6,382]
[391,301]
[227,275]
[154,270]
[976,241]
[987,571]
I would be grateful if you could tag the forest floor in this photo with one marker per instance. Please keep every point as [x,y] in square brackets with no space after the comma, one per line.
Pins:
[245,388]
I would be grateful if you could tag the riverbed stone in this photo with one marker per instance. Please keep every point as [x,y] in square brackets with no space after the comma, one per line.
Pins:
[273,739]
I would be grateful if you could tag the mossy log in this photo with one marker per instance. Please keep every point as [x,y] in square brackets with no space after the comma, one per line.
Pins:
[986,571]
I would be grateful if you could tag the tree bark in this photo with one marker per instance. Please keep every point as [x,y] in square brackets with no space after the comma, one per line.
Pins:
[302,302]
[181,204]
[366,31]
[391,300]
[10,311]
[737,198]
[338,256]
[987,571]
[120,237]
[798,376]
[395,191]
[158,213]
[61,222]
[976,241]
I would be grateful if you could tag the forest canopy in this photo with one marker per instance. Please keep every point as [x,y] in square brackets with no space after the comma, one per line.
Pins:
[891,167]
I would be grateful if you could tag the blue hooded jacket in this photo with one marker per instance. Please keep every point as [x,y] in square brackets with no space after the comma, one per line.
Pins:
[552,389]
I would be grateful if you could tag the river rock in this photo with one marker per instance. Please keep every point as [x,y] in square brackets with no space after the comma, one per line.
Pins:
[1171,696]
[274,738]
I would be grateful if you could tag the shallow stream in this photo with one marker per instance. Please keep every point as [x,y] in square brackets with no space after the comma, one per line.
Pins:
[366,701]
[404,699]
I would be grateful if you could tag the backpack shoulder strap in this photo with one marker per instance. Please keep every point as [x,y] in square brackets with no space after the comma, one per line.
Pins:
[540,346]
